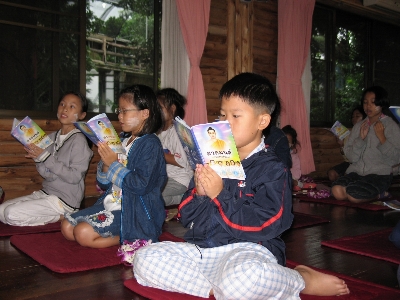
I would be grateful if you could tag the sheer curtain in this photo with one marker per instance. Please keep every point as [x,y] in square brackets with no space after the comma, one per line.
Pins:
[294,34]
[175,65]
[194,17]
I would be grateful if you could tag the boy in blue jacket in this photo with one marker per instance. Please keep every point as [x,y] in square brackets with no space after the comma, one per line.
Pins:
[233,248]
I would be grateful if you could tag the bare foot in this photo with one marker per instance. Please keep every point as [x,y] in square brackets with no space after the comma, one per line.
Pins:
[320,284]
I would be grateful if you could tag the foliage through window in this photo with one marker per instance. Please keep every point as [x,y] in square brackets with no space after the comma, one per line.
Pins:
[345,54]
[121,49]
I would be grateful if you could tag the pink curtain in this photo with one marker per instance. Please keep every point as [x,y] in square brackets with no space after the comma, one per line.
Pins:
[294,34]
[194,17]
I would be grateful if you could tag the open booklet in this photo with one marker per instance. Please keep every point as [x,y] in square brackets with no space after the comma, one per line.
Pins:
[393,204]
[211,144]
[339,130]
[28,132]
[99,128]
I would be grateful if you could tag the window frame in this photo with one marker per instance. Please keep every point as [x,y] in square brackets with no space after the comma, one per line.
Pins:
[369,68]
[81,52]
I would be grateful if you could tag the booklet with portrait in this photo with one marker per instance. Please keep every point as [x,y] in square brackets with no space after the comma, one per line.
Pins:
[28,132]
[211,144]
[339,130]
[100,128]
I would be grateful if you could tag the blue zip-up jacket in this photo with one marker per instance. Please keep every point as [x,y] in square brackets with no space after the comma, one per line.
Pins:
[142,212]
[256,210]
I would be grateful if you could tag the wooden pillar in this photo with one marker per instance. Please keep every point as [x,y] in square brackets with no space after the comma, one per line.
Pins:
[240,37]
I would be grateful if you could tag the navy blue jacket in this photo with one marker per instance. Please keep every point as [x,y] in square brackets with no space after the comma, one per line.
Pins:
[278,142]
[143,212]
[256,210]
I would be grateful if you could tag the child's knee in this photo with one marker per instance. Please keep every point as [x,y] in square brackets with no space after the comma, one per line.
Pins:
[9,215]
[138,260]
[339,192]
[83,235]
[67,230]
[2,217]
[240,281]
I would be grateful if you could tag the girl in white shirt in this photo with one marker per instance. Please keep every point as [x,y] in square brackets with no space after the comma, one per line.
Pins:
[178,168]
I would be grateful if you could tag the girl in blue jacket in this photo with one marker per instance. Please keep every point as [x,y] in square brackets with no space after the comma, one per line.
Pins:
[132,208]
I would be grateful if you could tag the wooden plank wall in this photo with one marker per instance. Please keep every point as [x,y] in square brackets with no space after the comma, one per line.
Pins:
[242,37]
[326,151]
[213,63]
[265,39]
[18,175]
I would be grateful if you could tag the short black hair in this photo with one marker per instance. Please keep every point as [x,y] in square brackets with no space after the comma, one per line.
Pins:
[257,91]
[288,129]
[84,100]
[360,109]
[381,96]
[143,97]
[254,89]
[169,97]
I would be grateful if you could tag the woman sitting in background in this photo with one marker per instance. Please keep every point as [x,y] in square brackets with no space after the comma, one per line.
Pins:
[372,149]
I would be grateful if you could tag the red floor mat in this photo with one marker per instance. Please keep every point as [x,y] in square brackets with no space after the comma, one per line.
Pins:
[303,220]
[359,289]
[8,230]
[59,255]
[331,200]
[375,244]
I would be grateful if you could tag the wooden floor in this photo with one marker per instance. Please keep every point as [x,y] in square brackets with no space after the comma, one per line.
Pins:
[23,278]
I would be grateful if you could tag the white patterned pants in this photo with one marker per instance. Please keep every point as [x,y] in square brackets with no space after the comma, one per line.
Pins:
[35,209]
[234,271]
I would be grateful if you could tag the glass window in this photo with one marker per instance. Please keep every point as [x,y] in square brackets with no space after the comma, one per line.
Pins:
[350,63]
[38,53]
[120,44]
[320,52]
[42,52]
[338,59]
[348,54]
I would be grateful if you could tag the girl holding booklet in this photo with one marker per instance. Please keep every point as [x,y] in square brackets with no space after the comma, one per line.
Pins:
[62,165]
[335,172]
[178,168]
[132,208]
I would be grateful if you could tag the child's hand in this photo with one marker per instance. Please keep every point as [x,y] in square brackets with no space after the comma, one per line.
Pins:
[340,142]
[364,129]
[33,151]
[380,132]
[199,188]
[210,181]
[107,155]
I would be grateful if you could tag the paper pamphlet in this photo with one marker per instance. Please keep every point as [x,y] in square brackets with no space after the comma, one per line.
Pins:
[99,128]
[28,132]
[212,144]
[339,130]
[393,204]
